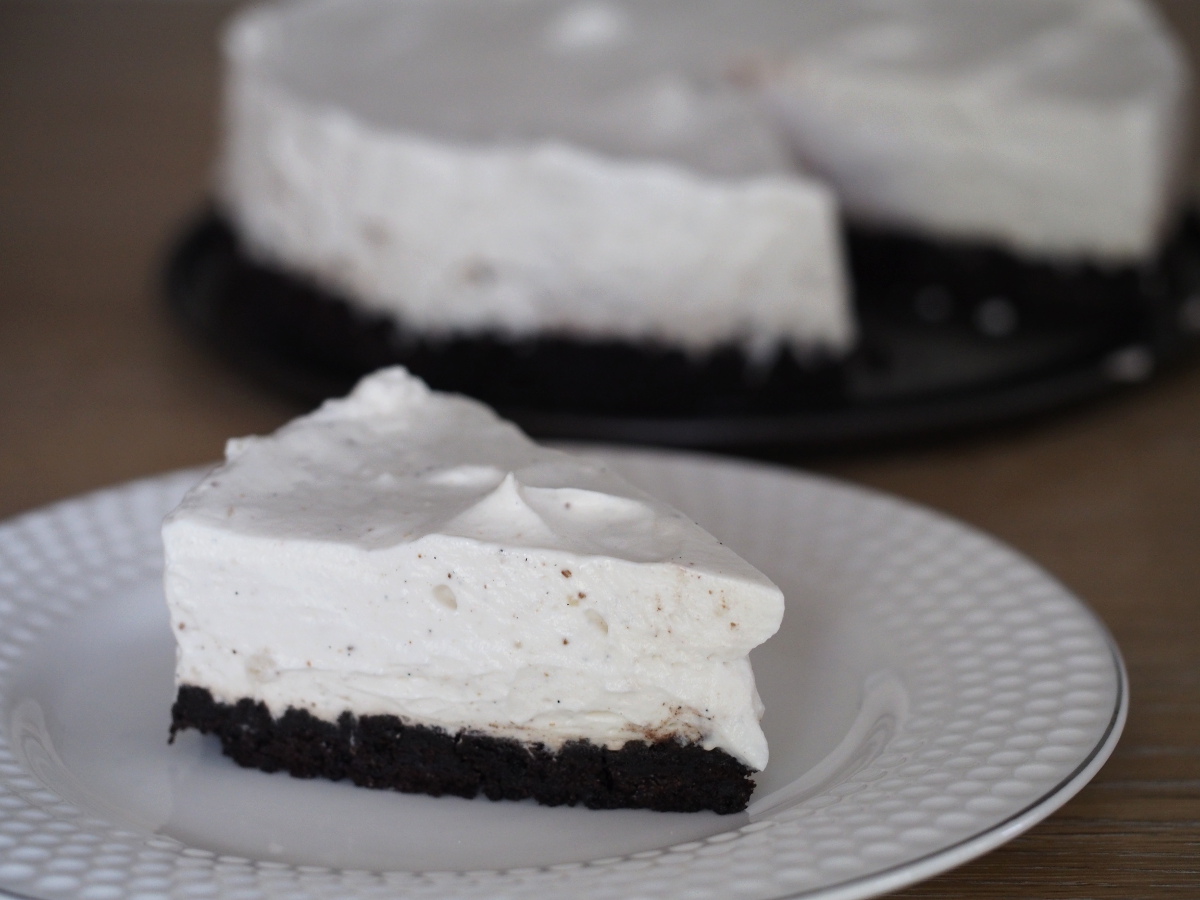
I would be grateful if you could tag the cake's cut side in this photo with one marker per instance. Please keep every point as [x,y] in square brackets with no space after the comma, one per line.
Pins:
[380,751]
[408,557]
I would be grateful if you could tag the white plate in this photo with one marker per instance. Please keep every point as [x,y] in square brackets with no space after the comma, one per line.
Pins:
[930,696]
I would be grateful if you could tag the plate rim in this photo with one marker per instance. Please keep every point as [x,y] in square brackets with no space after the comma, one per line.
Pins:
[869,884]
[1014,826]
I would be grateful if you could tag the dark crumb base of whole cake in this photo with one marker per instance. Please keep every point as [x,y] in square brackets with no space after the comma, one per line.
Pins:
[383,752]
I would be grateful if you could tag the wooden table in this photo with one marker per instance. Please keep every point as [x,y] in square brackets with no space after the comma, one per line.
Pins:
[107,132]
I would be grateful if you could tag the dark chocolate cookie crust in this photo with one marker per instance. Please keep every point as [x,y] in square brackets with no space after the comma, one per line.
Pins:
[383,752]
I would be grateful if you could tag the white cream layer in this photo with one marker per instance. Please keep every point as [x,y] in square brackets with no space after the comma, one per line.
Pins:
[409,553]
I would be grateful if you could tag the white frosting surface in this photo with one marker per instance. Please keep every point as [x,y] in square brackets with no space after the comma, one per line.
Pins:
[407,552]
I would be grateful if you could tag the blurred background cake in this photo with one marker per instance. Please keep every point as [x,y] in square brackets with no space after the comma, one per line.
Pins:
[704,209]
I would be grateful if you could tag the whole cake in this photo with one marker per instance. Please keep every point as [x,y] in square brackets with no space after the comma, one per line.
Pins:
[403,590]
[1055,130]
[623,207]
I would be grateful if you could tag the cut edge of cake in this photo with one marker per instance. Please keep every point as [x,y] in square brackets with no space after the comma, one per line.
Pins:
[530,625]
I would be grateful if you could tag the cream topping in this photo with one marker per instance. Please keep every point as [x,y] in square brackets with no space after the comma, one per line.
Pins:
[407,552]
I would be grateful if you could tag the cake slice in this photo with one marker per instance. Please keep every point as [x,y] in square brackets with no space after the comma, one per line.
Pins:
[403,590]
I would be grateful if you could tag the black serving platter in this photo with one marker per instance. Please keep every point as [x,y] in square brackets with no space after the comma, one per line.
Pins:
[952,336]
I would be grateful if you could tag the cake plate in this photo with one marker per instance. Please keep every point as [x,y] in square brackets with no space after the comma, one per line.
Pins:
[931,695]
[951,337]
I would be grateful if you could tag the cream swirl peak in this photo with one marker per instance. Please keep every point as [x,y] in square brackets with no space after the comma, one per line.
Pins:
[402,552]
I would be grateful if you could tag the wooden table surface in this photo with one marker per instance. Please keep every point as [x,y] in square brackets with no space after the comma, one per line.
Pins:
[107,132]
